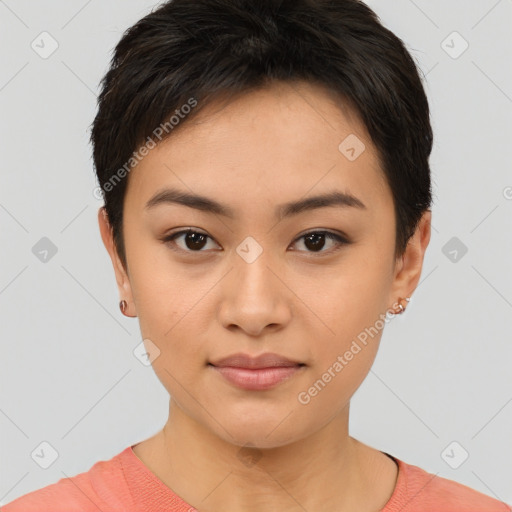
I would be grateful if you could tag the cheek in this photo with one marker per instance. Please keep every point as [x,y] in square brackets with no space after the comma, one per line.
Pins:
[167,295]
[350,298]
[180,350]
[171,313]
[353,305]
[341,363]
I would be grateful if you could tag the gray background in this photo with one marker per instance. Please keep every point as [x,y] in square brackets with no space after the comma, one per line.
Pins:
[68,373]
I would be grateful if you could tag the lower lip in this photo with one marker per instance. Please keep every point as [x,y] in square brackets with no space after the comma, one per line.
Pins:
[257,379]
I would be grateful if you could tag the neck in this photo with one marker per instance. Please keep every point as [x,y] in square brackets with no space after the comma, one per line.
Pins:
[328,470]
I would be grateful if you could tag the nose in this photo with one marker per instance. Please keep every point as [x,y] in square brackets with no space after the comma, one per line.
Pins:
[255,298]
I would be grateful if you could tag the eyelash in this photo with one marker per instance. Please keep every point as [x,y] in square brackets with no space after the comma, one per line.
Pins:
[169,240]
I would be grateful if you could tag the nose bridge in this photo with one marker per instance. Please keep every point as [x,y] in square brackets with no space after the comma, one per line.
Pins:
[253,266]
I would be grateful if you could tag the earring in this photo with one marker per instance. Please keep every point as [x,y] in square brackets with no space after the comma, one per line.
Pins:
[123,305]
[402,309]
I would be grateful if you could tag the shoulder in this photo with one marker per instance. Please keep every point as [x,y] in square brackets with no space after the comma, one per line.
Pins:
[102,487]
[420,491]
[70,494]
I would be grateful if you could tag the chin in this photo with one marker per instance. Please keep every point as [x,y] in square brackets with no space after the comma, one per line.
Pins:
[261,434]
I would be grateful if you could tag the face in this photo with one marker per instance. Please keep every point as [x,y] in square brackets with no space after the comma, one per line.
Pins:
[311,284]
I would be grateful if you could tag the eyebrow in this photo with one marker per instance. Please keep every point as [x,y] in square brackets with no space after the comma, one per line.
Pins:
[205,204]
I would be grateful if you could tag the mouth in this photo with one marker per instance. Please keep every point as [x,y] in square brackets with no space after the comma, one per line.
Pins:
[256,373]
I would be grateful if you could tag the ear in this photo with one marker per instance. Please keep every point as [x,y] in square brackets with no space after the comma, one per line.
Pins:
[123,281]
[408,268]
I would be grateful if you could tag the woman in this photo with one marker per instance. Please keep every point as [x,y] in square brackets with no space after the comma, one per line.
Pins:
[267,194]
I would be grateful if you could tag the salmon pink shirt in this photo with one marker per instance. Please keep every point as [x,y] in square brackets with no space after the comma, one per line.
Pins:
[125,484]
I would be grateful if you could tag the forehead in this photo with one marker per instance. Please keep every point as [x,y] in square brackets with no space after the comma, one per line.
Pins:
[277,143]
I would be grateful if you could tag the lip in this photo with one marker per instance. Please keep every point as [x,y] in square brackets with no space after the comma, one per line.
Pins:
[266,360]
[256,373]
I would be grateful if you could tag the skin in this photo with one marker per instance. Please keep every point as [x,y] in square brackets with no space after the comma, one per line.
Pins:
[263,149]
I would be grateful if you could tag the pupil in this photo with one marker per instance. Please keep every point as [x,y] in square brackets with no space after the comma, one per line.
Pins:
[318,240]
[195,238]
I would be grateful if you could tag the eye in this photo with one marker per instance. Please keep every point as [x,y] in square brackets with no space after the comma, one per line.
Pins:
[314,241]
[194,240]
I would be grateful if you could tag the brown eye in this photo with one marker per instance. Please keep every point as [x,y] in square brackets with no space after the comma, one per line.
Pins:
[315,241]
[193,241]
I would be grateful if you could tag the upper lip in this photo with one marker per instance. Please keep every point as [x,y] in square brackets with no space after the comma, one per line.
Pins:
[267,360]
